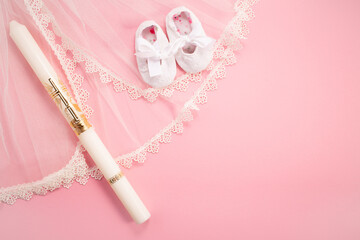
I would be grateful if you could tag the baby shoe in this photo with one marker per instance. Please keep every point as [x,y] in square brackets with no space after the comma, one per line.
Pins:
[154,55]
[186,34]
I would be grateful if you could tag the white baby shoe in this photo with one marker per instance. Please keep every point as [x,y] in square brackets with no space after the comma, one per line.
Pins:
[154,55]
[186,34]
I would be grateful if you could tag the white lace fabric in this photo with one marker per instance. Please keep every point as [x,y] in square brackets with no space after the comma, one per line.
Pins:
[77,169]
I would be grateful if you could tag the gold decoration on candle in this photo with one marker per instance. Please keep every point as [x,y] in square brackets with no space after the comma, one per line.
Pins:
[115,178]
[63,100]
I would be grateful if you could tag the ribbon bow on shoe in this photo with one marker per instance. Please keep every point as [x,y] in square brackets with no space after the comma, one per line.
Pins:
[197,51]
[154,55]
[193,38]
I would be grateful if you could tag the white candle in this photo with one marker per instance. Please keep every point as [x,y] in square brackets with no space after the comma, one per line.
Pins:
[103,159]
[31,51]
[87,135]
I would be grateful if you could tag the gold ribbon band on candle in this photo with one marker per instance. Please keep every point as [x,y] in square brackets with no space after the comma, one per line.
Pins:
[64,101]
[115,178]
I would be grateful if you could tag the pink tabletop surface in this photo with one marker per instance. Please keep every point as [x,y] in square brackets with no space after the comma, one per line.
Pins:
[273,155]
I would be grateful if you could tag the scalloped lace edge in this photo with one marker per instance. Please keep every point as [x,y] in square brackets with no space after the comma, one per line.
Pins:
[77,169]
[44,18]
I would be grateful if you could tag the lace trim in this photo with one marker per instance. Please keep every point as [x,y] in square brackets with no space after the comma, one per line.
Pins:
[77,169]
[62,45]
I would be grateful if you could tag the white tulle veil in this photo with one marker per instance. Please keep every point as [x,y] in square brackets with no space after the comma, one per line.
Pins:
[91,45]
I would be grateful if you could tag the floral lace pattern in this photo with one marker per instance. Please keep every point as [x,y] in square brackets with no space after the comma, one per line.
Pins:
[61,45]
[77,169]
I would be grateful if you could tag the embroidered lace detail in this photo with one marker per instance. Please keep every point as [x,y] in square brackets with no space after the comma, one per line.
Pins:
[77,169]
[62,46]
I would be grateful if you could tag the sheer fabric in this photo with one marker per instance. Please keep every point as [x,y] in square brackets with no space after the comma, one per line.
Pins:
[91,45]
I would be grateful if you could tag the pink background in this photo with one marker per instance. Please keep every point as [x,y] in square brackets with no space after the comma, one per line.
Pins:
[273,155]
